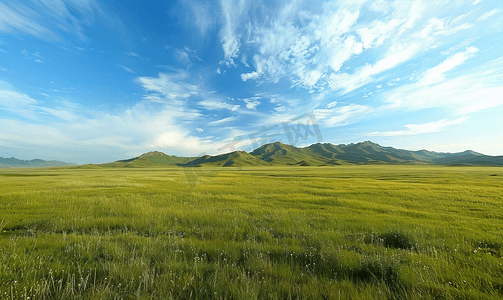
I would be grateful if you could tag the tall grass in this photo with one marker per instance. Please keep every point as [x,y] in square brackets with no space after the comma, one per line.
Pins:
[359,232]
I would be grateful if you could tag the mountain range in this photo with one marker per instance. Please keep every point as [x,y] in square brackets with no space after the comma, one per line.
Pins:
[314,155]
[283,154]
[34,163]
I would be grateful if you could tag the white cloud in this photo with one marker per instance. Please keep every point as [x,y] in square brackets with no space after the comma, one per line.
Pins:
[217,105]
[312,78]
[394,82]
[413,129]
[46,19]
[380,6]
[82,132]
[186,57]
[233,13]
[16,132]
[126,69]
[331,104]
[344,115]
[252,75]
[201,15]
[488,14]
[395,56]
[465,94]
[243,60]
[252,102]
[169,86]
[32,109]
[453,49]
[377,33]
[436,74]
[183,57]
[130,53]
[133,54]
[222,121]
[63,114]
[476,2]
[14,101]
[13,19]
[312,48]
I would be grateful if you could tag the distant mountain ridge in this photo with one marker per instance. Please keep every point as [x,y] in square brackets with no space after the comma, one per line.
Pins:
[314,155]
[34,163]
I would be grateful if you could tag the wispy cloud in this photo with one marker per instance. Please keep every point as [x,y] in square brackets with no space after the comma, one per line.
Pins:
[474,91]
[488,14]
[133,54]
[222,121]
[252,102]
[436,74]
[16,17]
[413,129]
[200,16]
[186,57]
[48,20]
[16,102]
[168,86]
[217,105]
[233,15]
[126,69]
[314,50]
[343,115]
[394,57]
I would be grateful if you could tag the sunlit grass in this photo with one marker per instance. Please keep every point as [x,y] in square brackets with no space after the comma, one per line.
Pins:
[348,232]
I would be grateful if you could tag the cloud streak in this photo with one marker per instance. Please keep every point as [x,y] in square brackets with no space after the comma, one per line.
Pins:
[414,129]
[49,20]
[127,69]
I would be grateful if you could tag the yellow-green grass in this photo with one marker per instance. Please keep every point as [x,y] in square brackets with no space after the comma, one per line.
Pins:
[338,232]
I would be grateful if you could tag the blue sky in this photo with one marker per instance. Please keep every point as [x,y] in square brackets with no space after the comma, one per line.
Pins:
[90,82]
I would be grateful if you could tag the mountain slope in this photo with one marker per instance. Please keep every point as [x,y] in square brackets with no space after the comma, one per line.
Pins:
[283,154]
[235,159]
[34,163]
[372,153]
[469,158]
[149,159]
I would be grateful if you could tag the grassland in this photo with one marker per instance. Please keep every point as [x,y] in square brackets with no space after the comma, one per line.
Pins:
[341,232]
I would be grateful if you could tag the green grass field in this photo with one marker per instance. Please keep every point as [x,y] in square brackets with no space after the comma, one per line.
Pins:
[342,232]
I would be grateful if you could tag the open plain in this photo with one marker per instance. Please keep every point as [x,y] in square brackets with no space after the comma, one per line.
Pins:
[335,232]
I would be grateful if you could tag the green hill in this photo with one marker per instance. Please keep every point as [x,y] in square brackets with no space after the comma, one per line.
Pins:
[149,159]
[283,154]
[235,159]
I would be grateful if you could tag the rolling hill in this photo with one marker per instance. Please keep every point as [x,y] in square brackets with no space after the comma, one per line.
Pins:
[149,159]
[283,154]
[235,159]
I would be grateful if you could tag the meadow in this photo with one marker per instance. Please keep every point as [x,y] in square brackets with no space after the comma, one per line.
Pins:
[338,232]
